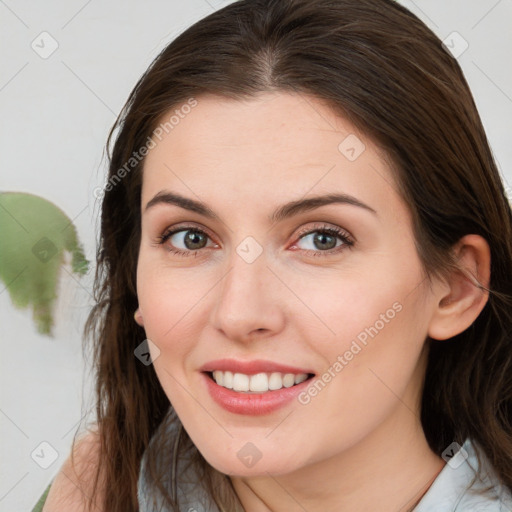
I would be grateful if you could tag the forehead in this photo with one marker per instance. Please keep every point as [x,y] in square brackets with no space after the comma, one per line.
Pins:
[272,147]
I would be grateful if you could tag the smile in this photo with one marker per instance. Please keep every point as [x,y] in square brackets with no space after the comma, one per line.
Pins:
[257,383]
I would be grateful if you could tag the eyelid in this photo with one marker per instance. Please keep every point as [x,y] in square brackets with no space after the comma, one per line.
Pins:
[318,225]
[171,230]
[323,226]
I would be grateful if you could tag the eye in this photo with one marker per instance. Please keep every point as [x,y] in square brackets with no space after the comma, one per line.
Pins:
[192,238]
[323,240]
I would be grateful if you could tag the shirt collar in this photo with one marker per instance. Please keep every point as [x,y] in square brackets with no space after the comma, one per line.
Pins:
[454,488]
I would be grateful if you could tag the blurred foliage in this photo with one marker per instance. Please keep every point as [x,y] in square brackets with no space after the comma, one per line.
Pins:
[34,236]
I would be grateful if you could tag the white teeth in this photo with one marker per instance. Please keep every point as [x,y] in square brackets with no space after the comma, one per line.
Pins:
[288,380]
[298,378]
[240,382]
[218,377]
[259,382]
[275,381]
[227,380]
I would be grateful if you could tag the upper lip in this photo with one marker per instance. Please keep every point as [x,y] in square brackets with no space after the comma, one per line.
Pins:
[251,367]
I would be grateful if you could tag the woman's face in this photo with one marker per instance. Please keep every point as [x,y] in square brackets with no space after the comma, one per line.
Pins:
[259,288]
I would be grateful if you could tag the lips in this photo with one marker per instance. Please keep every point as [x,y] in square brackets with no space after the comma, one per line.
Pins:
[241,399]
[252,367]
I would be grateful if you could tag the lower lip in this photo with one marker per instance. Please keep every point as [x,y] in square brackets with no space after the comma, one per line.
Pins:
[252,404]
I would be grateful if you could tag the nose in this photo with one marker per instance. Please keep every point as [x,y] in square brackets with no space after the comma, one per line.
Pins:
[249,301]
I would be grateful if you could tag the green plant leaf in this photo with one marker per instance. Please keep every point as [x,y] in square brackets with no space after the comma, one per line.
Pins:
[34,235]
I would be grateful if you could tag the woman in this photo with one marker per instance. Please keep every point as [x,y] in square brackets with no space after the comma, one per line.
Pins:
[304,276]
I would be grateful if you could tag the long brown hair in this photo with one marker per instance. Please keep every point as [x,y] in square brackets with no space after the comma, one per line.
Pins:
[379,66]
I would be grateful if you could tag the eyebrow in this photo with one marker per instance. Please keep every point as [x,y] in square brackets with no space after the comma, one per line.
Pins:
[283,212]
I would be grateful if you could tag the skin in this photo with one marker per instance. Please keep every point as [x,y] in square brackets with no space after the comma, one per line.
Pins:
[358,445]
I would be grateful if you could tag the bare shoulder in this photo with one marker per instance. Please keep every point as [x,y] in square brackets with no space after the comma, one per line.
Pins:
[75,481]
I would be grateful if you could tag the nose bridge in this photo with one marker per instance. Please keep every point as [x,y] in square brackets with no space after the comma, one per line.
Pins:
[247,298]
[246,282]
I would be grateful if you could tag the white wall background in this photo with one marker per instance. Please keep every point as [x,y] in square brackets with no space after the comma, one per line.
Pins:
[56,113]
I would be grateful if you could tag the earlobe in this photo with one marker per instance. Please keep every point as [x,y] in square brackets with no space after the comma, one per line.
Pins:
[138,317]
[467,292]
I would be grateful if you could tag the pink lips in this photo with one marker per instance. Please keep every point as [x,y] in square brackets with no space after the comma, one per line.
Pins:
[251,367]
[251,404]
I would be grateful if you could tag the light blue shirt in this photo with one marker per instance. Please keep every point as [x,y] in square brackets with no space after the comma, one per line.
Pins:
[451,491]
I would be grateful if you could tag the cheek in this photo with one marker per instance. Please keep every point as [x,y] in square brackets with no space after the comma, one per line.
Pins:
[373,326]
[165,294]
[354,304]
[370,372]
[169,302]
[166,300]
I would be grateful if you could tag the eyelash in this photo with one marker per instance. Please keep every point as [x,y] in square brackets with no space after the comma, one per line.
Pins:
[333,231]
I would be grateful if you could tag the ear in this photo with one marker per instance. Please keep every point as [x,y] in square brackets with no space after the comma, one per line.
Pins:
[138,317]
[462,299]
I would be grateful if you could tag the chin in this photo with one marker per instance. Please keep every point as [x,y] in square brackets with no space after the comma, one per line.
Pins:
[249,462]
